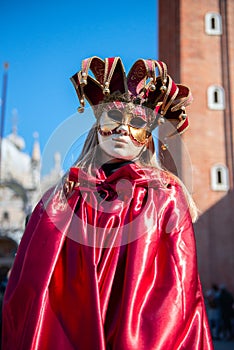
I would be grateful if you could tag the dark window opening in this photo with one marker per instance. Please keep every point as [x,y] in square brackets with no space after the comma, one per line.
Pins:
[213,24]
[216,97]
[219,177]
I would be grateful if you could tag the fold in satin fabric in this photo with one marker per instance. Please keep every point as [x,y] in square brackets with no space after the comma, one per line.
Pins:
[115,268]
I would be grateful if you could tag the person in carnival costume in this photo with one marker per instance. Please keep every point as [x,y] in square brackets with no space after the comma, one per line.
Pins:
[108,257]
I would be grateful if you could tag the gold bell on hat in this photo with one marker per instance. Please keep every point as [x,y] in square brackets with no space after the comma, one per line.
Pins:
[164,146]
[106,89]
[152,86]
[163,88]
[80,109]
[84,80]
[183,114]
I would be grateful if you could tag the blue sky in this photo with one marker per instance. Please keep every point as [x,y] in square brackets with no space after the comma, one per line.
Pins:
[45,42]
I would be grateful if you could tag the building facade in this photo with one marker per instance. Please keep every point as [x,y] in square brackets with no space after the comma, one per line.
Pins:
[21,187]
[198,47]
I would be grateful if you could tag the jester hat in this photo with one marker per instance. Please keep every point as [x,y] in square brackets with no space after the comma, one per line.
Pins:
[147,84]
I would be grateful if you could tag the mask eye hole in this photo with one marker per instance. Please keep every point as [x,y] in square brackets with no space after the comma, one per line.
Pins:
[115,115]
[138,122]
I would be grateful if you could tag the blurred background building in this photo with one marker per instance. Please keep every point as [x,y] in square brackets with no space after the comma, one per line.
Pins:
[196,39]
[20,188]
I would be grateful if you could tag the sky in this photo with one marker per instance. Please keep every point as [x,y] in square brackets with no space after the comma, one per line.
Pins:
[44,43]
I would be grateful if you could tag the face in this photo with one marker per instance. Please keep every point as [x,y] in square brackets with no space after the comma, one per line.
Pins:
[121,136]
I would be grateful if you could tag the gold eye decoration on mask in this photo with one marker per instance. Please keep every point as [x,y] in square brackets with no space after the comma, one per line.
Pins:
[139,135]
[137,125]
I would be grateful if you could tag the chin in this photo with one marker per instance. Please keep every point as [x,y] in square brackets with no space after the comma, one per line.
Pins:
[118,158]
[123,156]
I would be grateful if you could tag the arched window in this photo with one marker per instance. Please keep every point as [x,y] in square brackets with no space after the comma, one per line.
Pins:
[216,97]
[219,178]
[213,23]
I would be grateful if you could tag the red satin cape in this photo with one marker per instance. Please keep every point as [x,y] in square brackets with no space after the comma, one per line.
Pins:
[114,268]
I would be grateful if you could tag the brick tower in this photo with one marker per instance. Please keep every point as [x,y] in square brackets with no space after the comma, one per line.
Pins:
[196,40]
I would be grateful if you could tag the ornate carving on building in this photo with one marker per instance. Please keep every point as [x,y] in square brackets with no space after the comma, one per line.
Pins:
[21,187]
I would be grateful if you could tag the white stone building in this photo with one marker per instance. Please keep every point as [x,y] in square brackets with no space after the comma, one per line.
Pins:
[21,187]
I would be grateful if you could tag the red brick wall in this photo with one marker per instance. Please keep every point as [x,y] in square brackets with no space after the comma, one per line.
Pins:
[201,60]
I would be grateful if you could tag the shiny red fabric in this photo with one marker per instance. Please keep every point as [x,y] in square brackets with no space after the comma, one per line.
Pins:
[114,269]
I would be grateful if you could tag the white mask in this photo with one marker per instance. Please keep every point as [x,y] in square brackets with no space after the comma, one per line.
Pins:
[118,145]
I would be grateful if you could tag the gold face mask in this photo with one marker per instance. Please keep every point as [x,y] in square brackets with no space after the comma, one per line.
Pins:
[137,125]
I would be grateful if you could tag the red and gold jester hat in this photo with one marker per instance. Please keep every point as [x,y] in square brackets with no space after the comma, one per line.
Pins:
[100,81]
